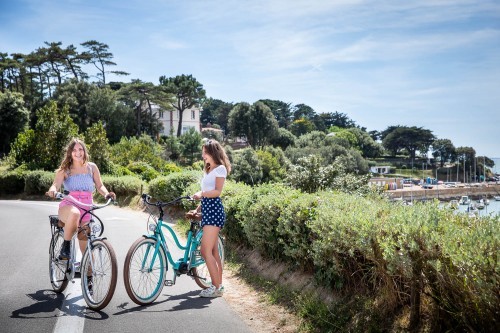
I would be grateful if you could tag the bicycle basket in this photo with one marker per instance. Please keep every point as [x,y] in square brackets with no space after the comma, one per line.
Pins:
[54,221]
[193,215]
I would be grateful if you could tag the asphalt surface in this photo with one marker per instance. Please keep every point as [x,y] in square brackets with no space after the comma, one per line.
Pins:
[28,303]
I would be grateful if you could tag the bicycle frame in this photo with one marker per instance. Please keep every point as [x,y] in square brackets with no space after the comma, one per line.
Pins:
[95,232]
[180,266]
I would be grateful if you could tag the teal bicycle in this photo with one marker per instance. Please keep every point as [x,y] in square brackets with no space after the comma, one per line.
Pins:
[147,260]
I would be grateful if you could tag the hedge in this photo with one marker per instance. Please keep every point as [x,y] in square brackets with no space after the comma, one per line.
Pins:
[38,182]
[403,254]
[125,186]
[11,182]
[166,188]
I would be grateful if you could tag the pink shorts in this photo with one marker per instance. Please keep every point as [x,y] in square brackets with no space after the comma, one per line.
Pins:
[84,197]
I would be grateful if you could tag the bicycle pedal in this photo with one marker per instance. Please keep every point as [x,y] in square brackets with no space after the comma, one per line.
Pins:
[169,283]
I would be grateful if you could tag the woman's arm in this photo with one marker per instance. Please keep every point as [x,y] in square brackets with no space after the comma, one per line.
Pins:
[56,185]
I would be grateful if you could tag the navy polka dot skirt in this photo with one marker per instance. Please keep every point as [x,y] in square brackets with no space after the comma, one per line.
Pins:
[212,212]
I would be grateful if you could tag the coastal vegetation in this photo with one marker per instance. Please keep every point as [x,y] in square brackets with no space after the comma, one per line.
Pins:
[298,193]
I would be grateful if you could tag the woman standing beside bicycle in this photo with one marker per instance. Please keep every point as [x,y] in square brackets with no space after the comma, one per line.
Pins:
[217,167]
[79,177]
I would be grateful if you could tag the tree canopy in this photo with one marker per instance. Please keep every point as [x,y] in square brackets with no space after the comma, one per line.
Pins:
[188,91]
[13,118]
[256,122]
[411,139]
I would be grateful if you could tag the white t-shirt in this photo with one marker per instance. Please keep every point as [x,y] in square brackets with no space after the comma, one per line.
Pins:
[208,181]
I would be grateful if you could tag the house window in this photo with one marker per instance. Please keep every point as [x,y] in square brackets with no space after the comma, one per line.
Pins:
[193,114]
[160,114]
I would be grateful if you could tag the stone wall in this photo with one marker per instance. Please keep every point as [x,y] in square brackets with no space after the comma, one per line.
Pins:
[445,193]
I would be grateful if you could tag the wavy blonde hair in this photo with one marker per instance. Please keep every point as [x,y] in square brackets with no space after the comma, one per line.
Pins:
[68,159]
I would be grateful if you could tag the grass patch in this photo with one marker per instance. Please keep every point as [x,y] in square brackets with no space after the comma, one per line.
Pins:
[345,314]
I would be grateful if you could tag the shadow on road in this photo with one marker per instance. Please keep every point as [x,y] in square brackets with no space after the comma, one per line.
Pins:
[188,301]
[48,302]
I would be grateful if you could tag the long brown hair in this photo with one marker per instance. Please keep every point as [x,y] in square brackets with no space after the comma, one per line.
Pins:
[68,159]
[214,149]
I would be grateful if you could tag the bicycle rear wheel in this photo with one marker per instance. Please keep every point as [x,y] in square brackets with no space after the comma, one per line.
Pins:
[200,273]
[144,279]
[57,268]
[99,263]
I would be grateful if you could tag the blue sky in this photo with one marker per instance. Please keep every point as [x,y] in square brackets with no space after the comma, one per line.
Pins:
[429,63]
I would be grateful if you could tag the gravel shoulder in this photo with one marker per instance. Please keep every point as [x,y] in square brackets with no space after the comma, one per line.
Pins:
[252,306]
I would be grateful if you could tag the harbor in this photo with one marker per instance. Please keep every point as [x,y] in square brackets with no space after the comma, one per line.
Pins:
[445,193]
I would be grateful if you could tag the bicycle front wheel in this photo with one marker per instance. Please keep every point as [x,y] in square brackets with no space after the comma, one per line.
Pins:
[144,279]
[200,273]
[99,272]
[57,268]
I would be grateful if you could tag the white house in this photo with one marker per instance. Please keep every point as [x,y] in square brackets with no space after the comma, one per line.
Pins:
[170,119]
[380,169]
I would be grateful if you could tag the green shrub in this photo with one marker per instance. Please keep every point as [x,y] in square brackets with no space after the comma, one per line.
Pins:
[38,182]
[260,220]
[294,230]
[246,167]
[235,197]
[344,229]
[118,170]
[125,186]
[144,170]
[133,149]
[166,188]
[274,164]
[12,182]
[169,168]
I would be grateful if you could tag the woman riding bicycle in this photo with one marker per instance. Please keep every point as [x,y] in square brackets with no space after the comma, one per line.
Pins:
[216,169]
[80,177]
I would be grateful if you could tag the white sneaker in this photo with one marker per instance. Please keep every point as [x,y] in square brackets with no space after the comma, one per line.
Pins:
[221,290]
[211,291]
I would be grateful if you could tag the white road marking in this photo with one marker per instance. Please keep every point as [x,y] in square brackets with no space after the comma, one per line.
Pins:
[72,312]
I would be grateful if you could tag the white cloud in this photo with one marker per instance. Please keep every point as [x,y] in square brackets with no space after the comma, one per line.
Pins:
[164,42]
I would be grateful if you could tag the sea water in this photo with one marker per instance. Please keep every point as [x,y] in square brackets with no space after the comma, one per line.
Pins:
[492,208]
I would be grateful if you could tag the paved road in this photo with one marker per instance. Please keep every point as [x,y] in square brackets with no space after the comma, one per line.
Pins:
[28,304]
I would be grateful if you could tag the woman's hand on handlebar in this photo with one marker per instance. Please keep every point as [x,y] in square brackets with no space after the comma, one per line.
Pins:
[110,195]
[51,194]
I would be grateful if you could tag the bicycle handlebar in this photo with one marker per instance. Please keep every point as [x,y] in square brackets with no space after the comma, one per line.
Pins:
[146,197]
[66,195]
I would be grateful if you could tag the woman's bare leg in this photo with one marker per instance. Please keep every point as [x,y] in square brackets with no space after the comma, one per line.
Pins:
[70,215]
[208,241]
[215,253]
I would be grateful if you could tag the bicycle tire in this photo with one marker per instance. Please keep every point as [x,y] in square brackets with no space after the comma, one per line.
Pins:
[200,273]
[57,268]
[104,271]
[143,285]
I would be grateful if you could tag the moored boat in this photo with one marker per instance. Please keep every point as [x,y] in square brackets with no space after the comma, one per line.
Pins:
[453,204]
[480,204]
[464,200]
